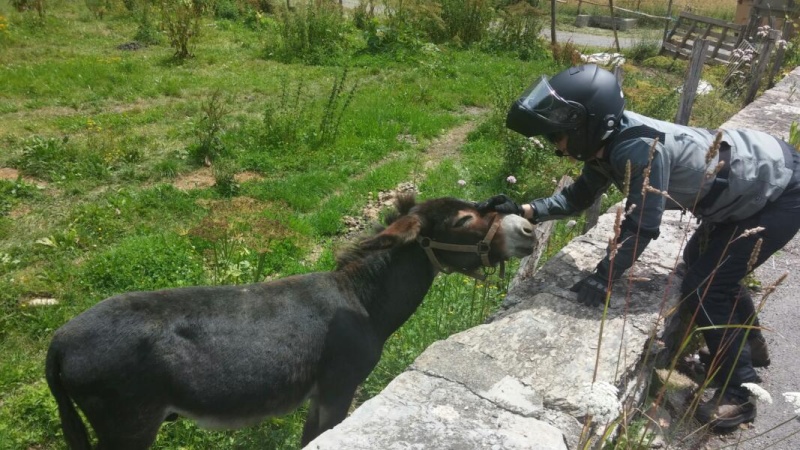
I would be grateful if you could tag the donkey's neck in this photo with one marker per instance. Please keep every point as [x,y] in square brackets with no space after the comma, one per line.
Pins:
[392,285]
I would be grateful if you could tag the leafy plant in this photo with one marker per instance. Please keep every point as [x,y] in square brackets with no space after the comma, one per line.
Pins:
[209,129]
[239,250]
[517,30]
[314,32]
[334,109]
[181,21]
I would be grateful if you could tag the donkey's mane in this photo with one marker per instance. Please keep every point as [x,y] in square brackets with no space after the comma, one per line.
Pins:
[356,252]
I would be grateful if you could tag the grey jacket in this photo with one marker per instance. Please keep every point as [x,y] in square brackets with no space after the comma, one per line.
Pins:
[758,174]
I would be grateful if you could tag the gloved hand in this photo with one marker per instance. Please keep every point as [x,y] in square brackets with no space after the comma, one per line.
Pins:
[592,290]
[502,204]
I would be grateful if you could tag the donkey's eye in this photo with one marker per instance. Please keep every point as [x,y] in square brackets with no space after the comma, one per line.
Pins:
[462,221]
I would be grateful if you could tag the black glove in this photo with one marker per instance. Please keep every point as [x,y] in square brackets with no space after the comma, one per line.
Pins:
[502,204]
[592,290]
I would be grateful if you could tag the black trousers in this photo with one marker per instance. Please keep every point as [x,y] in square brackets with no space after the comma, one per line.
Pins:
[717,260]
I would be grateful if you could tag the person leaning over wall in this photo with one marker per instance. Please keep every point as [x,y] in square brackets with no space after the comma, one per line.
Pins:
[744,186]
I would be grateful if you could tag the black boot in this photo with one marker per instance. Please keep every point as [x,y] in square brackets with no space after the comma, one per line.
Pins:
[727,410]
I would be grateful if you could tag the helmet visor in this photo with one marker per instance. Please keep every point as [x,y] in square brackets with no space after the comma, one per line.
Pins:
[549,111]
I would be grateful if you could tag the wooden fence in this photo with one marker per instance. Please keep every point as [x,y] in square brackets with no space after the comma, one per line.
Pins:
[722,37]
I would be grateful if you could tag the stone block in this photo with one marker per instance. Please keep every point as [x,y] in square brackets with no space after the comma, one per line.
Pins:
[623,24]
[582,20]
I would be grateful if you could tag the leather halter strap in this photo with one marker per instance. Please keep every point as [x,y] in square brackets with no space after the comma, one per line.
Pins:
[482,248]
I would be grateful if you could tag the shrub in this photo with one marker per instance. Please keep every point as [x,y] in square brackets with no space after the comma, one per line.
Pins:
[315,33]
[181,20]
[517,30]
[465,21]
[209,129]
[56,159]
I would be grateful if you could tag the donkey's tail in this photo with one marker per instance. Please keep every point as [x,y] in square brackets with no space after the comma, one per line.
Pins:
[74,429]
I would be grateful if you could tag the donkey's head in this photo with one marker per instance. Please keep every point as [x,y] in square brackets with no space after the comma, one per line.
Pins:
[455,234]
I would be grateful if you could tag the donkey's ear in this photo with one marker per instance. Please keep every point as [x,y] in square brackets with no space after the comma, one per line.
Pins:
[403,230]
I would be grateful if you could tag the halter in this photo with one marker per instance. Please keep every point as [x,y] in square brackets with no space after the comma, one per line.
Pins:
[481,248]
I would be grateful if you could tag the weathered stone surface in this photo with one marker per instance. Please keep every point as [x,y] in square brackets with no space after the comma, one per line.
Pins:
[418,411]
[774,111]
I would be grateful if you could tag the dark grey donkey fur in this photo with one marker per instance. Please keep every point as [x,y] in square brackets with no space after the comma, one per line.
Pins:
[228,356]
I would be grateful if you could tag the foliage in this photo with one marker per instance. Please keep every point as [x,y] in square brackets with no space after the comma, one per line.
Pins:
[243,248]
[334,109]
[181,21]
[794,135]
[13,192]
[225,179]
[40,6]
[210,128]
[566,54]
[408,26]
[465,21]
[517,30]
[57,159]
[143,263]
[315,32]
[146,32]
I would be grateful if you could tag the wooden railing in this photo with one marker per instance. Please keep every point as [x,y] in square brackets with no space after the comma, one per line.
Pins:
[722,37]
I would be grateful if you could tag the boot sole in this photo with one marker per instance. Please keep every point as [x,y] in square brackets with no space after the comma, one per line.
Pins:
[731,423]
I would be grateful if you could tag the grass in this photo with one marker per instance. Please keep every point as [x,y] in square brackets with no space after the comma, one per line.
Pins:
[100,137]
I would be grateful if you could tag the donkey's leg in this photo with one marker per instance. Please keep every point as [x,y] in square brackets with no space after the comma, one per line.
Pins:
[327,409]
[121,427]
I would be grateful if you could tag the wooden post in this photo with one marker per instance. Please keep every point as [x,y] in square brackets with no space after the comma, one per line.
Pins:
[698,58]
[666,22]
[553,21]
[614,24]
[763,59]
[780,52]
[580,3]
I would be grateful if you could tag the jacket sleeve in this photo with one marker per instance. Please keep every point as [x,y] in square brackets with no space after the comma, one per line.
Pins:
[644,208]
[574,198]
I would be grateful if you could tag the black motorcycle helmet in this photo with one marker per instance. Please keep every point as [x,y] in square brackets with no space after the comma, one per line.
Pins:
[583,102]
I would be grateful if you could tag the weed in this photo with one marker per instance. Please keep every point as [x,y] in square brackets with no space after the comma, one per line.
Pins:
[241,250]
[794,135]
[314,32]
[181,20]
[146,31]
[224,179]
[56,159]
[517,30]
[40,6]
[209,129]
[334,109]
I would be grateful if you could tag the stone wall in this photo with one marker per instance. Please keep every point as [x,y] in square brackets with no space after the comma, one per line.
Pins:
[517,382]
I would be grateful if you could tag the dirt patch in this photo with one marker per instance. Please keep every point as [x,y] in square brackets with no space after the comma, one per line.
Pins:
[247,176]
[199,179]
[7,173]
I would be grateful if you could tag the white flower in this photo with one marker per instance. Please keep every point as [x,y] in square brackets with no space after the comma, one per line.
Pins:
[462,183]
[758,392]
[794,399]
[600,401]
[511,179]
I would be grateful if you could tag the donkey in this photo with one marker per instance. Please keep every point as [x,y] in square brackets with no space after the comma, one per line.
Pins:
[228,356]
